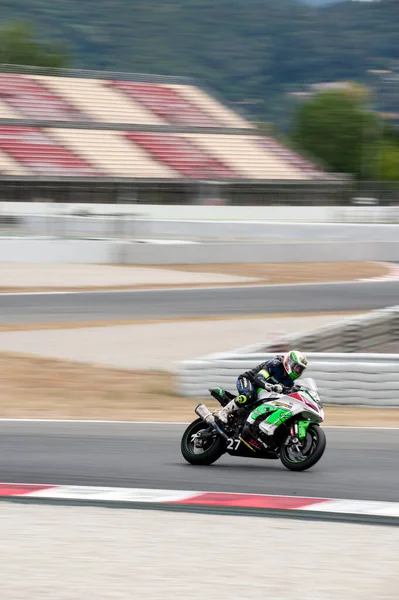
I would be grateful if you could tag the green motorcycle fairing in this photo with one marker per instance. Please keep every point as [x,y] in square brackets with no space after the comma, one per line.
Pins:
[302,429]
[277,416]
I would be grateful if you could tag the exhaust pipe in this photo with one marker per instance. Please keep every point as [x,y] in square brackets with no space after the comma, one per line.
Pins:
[205,414]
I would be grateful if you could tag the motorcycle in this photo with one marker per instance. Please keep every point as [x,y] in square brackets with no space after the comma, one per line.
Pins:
[277,426]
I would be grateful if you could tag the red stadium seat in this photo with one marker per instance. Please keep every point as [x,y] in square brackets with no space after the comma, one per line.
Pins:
[182,155]
[166,103]
[291,157]
[34,101]
[41,154]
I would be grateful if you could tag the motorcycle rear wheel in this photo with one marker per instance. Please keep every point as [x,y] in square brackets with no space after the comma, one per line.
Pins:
[316,439]
[210,453]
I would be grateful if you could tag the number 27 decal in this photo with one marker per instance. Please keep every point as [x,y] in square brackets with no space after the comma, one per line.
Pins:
[232,444]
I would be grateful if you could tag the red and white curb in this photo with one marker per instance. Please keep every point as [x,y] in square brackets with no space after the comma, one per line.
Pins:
[215,499]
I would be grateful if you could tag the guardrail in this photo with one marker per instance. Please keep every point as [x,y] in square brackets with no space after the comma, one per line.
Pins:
[360,380]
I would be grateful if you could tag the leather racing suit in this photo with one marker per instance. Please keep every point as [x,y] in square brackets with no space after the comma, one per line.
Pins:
[270,372]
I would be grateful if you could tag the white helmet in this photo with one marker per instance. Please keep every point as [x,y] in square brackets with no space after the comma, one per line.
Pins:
[295,363]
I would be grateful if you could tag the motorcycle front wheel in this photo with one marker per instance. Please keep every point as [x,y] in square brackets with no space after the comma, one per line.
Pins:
[198,451]
[302,456]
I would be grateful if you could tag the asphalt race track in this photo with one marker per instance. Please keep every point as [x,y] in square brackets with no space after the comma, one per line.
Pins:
[96,306]
[358,463]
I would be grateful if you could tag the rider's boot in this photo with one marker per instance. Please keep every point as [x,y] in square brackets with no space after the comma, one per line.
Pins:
[231,407]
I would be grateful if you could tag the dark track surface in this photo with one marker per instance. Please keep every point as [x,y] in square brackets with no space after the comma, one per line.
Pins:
[40,308]
[358,463]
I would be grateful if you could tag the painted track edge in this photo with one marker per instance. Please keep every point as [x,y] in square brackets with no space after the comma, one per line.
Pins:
[211,510]
[338,509]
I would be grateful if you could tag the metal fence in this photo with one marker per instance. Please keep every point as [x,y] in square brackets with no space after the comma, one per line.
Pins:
[189,191]
[360,198]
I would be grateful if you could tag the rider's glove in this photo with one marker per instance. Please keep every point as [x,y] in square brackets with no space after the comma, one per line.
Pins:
[278,388]
[268,387]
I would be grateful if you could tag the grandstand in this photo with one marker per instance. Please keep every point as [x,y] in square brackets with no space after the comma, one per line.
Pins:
[139,128]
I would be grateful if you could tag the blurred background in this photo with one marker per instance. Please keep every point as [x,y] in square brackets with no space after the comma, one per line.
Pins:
[319,77]
[188,187]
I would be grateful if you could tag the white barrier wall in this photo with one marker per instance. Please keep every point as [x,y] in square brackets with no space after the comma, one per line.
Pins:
[131,228]
[266,230]
[259,253]
[347,379]
[294,214]
[177,212]
[28,250]
[114,252]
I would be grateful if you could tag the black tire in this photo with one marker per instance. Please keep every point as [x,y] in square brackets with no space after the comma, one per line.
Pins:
[210,454]
[318,446]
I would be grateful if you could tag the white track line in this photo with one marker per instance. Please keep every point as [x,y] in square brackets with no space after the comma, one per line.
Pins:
[210,288]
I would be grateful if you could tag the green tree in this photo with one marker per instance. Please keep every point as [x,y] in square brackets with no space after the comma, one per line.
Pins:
[19,46]
[389,162]
[337,128]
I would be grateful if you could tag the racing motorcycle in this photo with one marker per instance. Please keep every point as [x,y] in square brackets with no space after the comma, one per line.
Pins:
[277,426]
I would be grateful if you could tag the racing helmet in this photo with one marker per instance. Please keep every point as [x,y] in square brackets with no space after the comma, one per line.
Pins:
[295,363]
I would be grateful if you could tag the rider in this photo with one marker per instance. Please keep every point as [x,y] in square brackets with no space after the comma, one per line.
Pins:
[273,376]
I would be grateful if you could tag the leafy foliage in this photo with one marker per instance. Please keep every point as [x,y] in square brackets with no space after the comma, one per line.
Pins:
[18,45]
[339,129]
[388,162]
